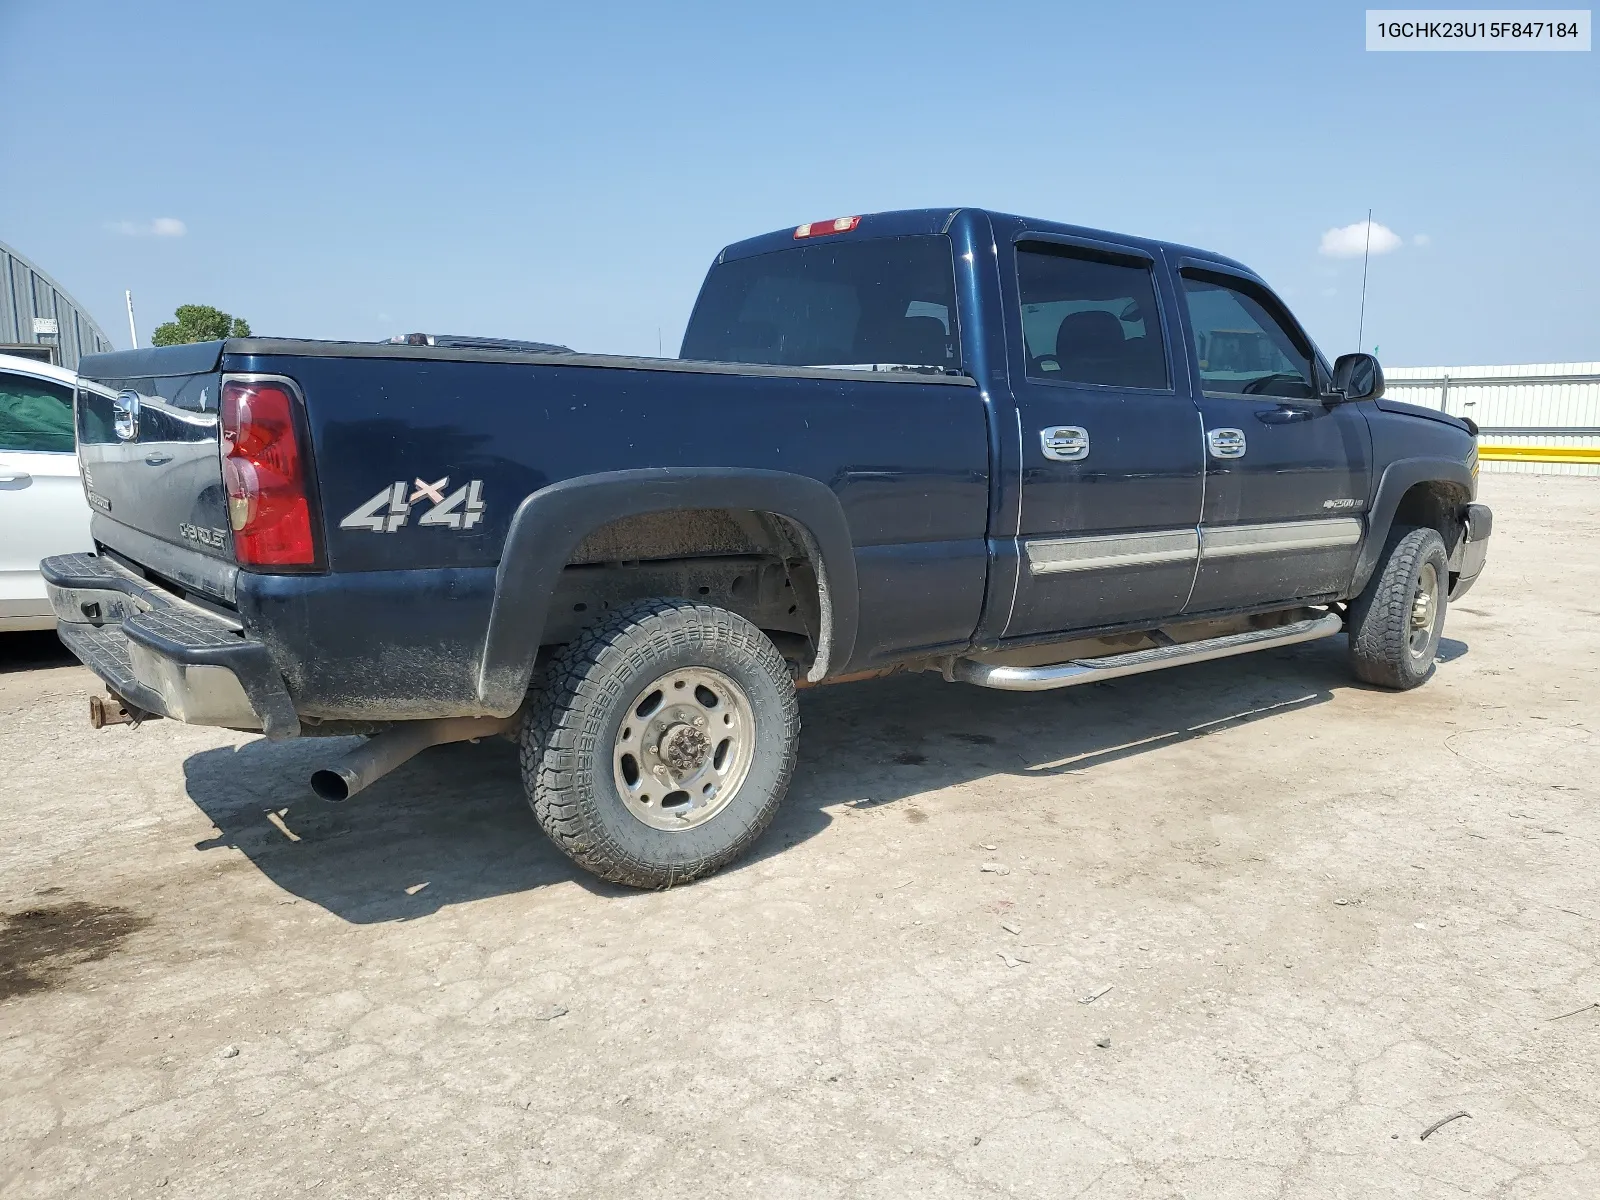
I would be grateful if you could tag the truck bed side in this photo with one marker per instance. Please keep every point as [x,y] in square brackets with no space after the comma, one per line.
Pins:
[399,622]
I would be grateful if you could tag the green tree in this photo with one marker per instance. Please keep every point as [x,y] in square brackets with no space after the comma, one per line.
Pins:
[199,323]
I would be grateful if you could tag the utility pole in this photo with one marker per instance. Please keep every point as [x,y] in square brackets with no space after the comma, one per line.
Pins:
[133,334]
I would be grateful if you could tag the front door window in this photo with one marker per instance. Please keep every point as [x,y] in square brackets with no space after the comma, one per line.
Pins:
[1241,347]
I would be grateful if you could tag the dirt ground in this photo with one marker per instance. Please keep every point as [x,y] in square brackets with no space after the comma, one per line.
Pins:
[1237,930]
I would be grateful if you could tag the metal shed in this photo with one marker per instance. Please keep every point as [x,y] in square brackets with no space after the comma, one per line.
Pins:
[35,310]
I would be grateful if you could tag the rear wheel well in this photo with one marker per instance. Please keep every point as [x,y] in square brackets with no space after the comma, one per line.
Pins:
[763,566]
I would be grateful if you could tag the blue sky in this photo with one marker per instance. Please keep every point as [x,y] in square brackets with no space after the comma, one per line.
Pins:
[566,172]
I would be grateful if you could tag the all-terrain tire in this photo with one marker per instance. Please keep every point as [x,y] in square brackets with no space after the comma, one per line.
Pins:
[1390,643]
[584,695]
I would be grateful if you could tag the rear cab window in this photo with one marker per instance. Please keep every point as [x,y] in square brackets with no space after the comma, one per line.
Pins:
[1090,317]
[1243,345]
[35,415]
[880,303]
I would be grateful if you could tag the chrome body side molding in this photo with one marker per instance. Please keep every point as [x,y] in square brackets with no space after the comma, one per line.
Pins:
[1116,550]
[1228,541]
[1048,556]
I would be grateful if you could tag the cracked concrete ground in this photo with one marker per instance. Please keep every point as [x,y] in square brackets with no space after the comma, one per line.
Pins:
[1328,917]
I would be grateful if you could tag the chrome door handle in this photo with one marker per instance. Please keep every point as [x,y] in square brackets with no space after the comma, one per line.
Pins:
[125,416]
[1225,443]
[157,458]
[1065,443]
[1283,415]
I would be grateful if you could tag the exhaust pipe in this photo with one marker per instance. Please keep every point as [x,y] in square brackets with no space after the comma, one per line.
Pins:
[383,752]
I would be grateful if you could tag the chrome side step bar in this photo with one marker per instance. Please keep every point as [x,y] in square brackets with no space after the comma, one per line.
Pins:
[1114,666]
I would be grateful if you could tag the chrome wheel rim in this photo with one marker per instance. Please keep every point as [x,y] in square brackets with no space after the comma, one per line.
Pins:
[684,748]
[1424,610]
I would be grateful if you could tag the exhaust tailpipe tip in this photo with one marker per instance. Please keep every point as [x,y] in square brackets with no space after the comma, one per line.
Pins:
[383,752]
[331,785]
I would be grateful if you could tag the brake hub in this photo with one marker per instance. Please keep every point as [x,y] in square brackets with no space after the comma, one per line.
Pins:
[684,748]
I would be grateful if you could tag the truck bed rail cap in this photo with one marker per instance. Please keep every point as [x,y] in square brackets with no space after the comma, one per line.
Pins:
[264,347]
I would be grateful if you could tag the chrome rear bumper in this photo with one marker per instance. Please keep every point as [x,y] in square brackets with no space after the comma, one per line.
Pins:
[162,654]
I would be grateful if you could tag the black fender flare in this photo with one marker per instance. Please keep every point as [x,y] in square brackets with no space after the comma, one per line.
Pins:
[1398,478]
[549,524]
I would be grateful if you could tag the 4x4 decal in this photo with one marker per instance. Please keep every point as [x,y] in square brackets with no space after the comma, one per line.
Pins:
[389,510]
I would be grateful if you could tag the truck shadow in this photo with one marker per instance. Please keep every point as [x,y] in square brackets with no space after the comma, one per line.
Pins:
[454,820]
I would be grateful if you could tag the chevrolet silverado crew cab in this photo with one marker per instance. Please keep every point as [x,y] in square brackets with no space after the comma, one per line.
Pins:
[1021,454]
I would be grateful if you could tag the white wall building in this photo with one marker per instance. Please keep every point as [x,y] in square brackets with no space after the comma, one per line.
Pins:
[1537,418]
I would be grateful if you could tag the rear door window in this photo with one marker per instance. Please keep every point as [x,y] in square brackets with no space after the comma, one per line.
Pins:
[1241,345]
[35,415]
[881,302]
[1090,318]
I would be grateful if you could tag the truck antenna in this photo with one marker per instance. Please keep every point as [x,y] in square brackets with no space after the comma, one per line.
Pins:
[133,334]
[1366,254]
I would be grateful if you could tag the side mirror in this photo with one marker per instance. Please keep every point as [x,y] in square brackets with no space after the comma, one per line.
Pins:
[1358,377]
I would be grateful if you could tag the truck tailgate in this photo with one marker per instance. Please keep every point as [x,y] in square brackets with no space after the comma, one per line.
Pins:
[150,456]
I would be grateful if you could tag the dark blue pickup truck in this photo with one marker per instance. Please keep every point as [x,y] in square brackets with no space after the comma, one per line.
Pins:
[1022,454]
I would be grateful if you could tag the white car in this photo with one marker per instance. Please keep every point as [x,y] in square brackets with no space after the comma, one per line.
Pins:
[42,505]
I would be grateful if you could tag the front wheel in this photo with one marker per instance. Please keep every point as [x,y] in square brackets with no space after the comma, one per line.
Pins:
[1396,622]
[661,743]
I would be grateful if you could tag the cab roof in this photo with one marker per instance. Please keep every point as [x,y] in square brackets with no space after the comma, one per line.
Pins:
[911,221]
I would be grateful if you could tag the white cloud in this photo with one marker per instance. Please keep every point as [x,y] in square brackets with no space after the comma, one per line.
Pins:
[1421,239]
[167,227]
[1350,241]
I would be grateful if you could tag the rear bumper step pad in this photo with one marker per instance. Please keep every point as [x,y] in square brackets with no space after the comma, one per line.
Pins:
[162,654]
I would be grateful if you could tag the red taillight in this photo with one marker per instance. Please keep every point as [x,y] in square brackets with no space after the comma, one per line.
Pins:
[269,505]
[819,228]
